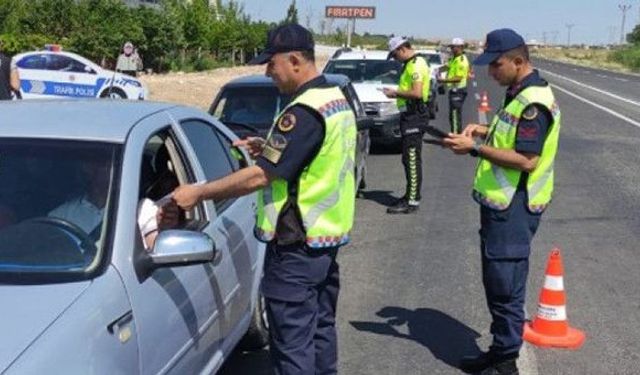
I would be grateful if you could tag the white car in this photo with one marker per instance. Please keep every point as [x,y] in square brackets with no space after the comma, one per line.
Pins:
[370,71]
[58,74]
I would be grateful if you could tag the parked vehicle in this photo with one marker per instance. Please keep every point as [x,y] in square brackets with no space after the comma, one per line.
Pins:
[53,73]
[80,292]
[250,104]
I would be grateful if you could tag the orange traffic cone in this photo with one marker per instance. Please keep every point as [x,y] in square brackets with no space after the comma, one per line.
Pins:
[484,103]
[550,327]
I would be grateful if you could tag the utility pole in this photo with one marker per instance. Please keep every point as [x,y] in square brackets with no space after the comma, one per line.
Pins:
[569,26]
[623,8]
[554,37]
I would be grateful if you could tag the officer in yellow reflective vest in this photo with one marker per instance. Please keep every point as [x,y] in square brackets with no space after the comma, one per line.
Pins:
[412,95]
[513,185]
[456,81]
[304,172]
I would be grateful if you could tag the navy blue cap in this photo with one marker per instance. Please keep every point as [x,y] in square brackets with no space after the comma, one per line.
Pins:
[498,42]
[285,38]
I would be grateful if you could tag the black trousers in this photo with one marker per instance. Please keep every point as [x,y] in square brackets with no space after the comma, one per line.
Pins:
[301,287]
[411,125]
[456,101]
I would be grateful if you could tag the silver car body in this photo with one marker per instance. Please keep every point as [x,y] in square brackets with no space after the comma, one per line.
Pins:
[178,319]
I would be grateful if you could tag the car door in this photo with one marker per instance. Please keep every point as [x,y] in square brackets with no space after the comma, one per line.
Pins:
[363,123]
[178,310]
[231,225]
[32,70]
[62,76]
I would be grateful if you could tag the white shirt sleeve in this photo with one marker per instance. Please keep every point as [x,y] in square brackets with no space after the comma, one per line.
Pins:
[147,211]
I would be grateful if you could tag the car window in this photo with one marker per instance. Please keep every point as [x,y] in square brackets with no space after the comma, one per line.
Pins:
[38,61]
[65,64]
[236,158]
[380,71]
[56,201]
[211,153]
[252,106]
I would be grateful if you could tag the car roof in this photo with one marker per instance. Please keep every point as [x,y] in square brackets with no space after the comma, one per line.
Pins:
[85,119]
[260,80]
[363,55]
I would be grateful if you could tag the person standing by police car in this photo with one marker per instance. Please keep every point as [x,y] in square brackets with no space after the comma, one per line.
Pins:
[411,97]
[129,62]
[9,79]
[305,170]
[456,81]
[513,185]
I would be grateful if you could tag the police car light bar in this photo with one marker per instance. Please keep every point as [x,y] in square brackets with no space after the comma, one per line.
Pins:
[53,47]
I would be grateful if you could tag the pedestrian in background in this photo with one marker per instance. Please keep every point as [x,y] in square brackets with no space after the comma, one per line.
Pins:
[304,171]
[129,62]
[9,78]
[411,98]
[513,185]
[456,81]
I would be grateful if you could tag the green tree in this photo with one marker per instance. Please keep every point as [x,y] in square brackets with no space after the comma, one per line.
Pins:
[634,36]
[292,13]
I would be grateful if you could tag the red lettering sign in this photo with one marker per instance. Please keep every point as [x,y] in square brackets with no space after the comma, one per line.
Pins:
[350,12]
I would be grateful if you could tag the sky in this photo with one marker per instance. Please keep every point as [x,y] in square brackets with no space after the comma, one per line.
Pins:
[595,21]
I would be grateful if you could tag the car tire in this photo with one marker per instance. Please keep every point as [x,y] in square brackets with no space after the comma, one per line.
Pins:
[114,93]
[257,336]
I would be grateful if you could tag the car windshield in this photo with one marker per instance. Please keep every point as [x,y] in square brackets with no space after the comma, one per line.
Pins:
[380,71]
[54,205]
[433,58]
[253,106]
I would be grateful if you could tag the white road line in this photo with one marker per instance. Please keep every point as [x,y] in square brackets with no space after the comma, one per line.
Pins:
[621,79]
[612,112]
[527,362]
[477,96]
[592,88]
[602,75]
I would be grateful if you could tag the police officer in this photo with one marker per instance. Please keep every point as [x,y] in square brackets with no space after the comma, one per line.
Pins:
[9,79]
[456,81]
[305,173]
[513,185]
[412,95]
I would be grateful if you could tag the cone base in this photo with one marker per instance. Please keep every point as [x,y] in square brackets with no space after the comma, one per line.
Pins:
[572,340]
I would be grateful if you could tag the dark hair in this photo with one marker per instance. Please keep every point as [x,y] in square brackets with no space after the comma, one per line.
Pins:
[521,51]
[308,55]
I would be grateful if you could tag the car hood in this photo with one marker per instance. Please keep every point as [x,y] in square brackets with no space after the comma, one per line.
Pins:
[371,92]
[28,310]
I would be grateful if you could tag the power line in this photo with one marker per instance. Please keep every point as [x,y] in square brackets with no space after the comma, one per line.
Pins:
[623,8]
[569,26]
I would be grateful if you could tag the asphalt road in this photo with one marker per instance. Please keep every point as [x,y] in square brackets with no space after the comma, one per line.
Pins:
[412,300]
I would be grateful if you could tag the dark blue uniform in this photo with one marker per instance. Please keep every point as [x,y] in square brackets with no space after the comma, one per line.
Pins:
[505,236]
[300,284]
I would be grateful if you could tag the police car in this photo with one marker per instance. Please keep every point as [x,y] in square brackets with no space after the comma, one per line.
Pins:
[53,73]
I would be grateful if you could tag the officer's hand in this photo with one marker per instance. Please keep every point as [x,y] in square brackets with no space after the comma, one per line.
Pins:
[458,143]
[475,130]
[187,196]
[390,93]
[253,145]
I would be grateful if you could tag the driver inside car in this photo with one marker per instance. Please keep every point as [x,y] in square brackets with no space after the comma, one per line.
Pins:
[87,210]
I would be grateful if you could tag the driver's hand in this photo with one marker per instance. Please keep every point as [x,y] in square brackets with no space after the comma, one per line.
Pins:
[168,216]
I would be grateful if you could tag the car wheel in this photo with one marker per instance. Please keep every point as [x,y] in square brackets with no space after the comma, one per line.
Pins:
[113,93]
[257,336]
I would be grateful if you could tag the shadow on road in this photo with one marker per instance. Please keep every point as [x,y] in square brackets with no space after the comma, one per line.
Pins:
[447,338]
[382,197]
[242,362]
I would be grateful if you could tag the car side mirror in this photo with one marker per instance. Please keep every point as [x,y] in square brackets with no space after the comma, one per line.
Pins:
[365,123]
[175,247]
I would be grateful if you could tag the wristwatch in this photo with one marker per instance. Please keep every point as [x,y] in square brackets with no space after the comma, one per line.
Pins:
[475,151]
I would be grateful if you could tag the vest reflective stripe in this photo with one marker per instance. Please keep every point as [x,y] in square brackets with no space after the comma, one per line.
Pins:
[418,65]
[458,67]
[326,187]
[495,186]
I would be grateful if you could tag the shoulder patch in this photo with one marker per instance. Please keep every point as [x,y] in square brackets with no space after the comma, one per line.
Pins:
[415,76]
[530,112]
[287,122]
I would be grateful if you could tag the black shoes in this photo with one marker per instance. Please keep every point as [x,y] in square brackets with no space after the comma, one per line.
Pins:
[490,364]
[402,207]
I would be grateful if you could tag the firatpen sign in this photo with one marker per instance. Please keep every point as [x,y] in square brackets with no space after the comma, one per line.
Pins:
[350,12]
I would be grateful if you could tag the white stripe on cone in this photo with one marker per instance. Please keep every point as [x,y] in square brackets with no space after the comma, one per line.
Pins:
[551,312]
[554,283]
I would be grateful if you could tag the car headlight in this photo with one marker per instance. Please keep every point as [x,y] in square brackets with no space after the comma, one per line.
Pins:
[388,108]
